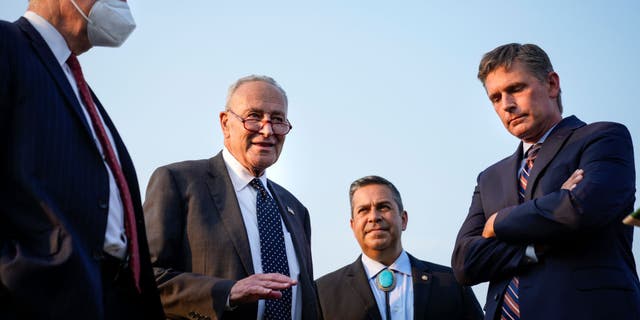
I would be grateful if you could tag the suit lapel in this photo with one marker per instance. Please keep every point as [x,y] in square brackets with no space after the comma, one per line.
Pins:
[288,216]
[550,148]
[510,180]
[358,282]
[421,287]
[51,63]
[224,198]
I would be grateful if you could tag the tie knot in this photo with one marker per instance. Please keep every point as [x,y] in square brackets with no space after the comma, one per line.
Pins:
[257,184]
[73,62]
[532,153]
[76,70]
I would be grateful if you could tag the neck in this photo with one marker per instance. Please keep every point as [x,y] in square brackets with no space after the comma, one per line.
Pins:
[72,26]
[385,257]
[255,172]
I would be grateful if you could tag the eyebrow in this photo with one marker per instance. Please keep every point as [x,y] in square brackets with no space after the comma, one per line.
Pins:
[254,109]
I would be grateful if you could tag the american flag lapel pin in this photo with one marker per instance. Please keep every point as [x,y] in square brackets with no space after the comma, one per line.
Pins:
[291,211]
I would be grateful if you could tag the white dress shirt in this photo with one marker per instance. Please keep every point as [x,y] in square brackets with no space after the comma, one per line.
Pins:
[247,199]
[115,239]
[401,297]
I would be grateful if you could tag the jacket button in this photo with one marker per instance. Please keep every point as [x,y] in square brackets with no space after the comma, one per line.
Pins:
[103,204]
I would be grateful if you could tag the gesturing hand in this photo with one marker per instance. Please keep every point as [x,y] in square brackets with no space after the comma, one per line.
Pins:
[259,286]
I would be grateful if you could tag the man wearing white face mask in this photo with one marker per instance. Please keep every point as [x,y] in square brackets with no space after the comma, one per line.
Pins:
[72,237]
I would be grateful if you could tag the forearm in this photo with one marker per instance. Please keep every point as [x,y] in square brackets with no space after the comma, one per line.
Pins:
[476,259]
[182,293]
[604,196]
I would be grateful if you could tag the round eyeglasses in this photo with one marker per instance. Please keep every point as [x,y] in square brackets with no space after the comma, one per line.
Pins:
[254,123]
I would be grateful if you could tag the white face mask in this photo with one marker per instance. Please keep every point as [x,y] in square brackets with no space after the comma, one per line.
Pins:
[109,22]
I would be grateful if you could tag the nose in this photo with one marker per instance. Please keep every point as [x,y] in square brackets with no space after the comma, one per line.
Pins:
[508,103]
[267,129]
[374,216]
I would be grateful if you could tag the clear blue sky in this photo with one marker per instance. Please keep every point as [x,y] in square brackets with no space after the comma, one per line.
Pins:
[375,87]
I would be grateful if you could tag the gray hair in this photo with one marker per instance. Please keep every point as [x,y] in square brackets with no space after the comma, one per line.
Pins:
[372,180]
[251,78]
[532,57]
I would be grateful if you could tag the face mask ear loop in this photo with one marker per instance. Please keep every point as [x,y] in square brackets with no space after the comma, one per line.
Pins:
[80,10]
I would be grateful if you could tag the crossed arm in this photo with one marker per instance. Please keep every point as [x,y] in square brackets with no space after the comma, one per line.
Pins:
[570,184]
[493,246]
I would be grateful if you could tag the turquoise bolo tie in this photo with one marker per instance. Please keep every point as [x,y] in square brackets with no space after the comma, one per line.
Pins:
[386,281]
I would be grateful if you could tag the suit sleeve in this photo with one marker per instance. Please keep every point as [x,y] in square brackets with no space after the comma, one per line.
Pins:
[471,308]
[4,88]
[182,293]
[603,197]
[476,259]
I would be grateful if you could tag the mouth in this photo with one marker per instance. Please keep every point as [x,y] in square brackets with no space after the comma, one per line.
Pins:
[516,120]
[377,230]
[263,144]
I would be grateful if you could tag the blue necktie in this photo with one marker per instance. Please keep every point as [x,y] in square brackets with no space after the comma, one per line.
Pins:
[511,300]
[272,250]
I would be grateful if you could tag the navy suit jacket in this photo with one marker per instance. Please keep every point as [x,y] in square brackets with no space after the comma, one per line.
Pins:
[199,245]
[54,190]
[346,294]
[586,269]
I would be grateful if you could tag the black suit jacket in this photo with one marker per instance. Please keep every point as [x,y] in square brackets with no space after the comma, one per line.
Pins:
[199,246]
[54,190]
[586,269]
[346,294]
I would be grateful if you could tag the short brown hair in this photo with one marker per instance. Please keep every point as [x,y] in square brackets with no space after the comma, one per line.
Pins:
[532,57]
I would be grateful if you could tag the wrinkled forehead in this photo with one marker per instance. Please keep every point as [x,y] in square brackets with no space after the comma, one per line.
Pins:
[372,194]
[258,96]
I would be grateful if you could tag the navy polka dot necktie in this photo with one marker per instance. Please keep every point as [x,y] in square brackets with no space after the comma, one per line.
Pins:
[272,250]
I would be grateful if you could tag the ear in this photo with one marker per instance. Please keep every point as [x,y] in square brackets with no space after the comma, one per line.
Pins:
[224,124]
[553,83]
[405,218]
[351,224]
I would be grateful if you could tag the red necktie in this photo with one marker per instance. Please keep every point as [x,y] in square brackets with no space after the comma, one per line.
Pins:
[121,182]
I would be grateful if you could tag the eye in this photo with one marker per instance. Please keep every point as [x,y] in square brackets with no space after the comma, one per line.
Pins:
[495,98]
[278,120]
[516,88]
[253,116]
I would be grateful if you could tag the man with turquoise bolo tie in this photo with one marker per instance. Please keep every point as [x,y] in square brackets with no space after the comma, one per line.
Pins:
[386,282]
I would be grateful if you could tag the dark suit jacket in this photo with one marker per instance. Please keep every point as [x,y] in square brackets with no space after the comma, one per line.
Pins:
[54,190]
[346,294]
[199,246]
[586,269]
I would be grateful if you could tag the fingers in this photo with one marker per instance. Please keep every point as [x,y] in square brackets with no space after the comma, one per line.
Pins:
[573,180]
[260,286]
[488,231]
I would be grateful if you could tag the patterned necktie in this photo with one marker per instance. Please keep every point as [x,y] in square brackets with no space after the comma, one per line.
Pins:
[532,154]
[511,301]
[272,250]
[112,162]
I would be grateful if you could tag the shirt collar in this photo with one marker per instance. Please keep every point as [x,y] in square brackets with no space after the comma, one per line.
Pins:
[51,36]
[372,267]
[526,146]
[240,176]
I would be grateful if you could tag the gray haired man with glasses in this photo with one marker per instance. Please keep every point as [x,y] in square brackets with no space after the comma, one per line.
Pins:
[225,241]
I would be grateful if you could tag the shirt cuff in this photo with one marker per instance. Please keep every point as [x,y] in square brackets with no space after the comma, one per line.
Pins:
[530,252]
